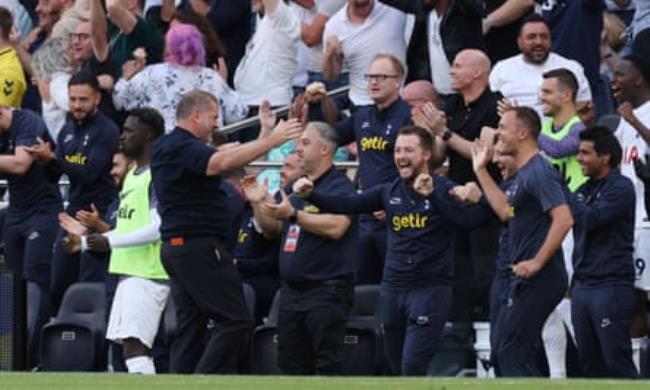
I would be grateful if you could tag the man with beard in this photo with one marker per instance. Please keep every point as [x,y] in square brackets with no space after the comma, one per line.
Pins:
[536,209]
[417,282]
[84,153]
[518,78]
[316,260]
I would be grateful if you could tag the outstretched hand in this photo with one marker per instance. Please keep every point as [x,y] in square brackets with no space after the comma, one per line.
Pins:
[253,190]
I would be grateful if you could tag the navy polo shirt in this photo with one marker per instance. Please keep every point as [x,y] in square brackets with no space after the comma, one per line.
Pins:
[36,190]
[375,132]
[190,202]
[255,254]
[305,256]
[536,189]
[85,153]
[604,230]
[420,238]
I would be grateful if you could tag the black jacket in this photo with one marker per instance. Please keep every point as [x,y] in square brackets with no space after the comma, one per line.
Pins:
[460,29]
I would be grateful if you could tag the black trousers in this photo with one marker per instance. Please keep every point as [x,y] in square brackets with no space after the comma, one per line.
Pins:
[311,326]
[205,284]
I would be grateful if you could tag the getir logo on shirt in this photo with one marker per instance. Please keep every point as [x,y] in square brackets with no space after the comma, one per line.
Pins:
[125,212]
[77,158]
[409,221]
[374,143]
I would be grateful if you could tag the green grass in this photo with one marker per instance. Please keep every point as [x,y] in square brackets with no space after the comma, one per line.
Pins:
[43,381]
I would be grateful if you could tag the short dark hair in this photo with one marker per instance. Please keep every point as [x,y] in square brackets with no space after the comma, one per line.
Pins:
[151,118]
[565,78]
[528,118]
[533,18]
[6,23]
[84,78]
[605,142]
[194,100]
[426,140]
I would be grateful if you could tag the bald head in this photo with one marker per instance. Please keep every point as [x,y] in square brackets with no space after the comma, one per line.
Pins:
[418,93]
[470,71]
[478,60]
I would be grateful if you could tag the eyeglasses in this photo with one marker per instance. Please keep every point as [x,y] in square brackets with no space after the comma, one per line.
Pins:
[379,77]
[80,36]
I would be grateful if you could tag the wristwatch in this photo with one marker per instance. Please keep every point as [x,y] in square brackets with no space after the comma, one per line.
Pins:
[446,135]
[294,216]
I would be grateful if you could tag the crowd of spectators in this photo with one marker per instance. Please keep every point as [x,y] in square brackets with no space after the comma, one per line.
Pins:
[75,73]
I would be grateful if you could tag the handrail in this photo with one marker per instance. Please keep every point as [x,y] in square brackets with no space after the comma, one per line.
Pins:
[280,112]
[254,164]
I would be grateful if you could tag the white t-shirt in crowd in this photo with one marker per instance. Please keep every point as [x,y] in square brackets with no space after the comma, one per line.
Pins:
[267,69]
[634,146]
[520,81]
[437,58]
[381,32]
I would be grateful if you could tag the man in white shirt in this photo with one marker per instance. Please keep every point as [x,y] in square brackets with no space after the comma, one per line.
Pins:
[313,15]
[266,70]
[519,78]
[631,86]
[355,35]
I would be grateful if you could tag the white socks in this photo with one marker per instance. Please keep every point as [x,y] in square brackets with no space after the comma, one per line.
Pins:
[555,340]
[636,352]
[140,365]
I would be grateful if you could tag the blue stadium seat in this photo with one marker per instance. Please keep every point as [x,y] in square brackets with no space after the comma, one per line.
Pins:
[74,340]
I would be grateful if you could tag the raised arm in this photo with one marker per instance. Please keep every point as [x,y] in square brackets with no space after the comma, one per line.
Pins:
[507,13]
[497,199]
[99,30]
[236,157]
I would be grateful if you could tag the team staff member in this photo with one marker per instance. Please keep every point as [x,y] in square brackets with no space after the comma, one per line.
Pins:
[418,276]
[602,292]
[84,152]
[374,128]
[256,255]
[195,221]
[317,258]
[30,222]
[538,219]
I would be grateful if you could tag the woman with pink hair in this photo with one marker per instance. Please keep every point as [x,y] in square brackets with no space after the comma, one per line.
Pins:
[161,86]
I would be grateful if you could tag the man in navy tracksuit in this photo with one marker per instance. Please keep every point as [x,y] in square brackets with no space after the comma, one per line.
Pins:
[536,209]
[418,275]
[84,152]
[374,128]
[603,281]
[31,219]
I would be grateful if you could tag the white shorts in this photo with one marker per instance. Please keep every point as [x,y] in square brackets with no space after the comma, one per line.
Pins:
[137,307]
[642,258]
